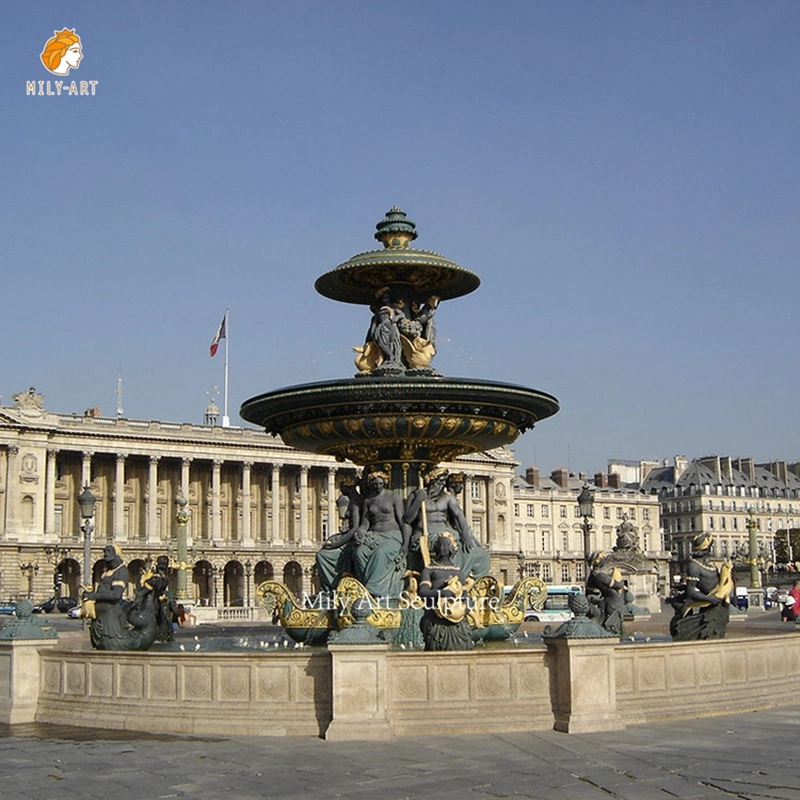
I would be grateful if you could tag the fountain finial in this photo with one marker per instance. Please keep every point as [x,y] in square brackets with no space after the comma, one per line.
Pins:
[395,230]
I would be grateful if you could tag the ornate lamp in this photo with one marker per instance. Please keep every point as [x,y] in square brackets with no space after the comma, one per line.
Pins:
[586,510]
[87,502]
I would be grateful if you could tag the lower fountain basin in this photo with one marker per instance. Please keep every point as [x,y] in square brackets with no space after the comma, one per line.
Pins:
[418,419]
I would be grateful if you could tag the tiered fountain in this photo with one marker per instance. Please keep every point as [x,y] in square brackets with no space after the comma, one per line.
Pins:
[398,416]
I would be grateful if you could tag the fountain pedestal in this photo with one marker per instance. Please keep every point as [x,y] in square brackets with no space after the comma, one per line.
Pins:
[360,693]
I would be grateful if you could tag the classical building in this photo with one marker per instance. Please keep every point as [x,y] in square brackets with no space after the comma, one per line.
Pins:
[720,495]
[259,509]
[549,528]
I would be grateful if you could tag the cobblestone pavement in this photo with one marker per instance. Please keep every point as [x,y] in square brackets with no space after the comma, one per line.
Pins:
[742,756]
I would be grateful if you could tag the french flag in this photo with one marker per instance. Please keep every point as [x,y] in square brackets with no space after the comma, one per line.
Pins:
[221,333]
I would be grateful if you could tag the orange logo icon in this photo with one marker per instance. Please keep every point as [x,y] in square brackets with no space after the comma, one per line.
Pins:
[62,52]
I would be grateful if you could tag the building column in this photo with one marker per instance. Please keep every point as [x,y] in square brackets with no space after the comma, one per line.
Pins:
[193,525]
[490,526]
[247,533]
[467,501]
[305,540]
[86,469]
[50,494]
[333,516]
[152,500]
[216,509]
[276,505]
[184,485]
[119,500]
[11,488]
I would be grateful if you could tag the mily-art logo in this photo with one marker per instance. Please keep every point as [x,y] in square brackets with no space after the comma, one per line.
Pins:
[62,52]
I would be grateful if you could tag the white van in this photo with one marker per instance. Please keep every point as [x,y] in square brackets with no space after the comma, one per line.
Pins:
[556,606]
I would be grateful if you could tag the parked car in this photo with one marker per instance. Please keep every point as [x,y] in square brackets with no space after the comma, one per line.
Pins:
[64,604]
[47,607]
[8,608]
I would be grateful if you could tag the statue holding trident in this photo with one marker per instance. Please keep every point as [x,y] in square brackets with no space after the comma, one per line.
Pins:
[431,511]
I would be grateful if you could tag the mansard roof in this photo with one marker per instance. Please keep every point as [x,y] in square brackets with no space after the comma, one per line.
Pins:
[659,478]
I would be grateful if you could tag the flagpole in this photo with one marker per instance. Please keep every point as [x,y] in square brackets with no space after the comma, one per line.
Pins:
[226,420]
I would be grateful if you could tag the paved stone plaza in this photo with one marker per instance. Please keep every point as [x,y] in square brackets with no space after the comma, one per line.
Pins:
[742,756]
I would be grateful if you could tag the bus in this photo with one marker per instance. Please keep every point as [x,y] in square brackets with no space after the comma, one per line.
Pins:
[556,605]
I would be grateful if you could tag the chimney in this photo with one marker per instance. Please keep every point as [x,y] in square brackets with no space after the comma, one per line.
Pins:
[712,462]
[725,467]
[614,481]
[582,477]
[746,466]
[778,469]
[600,480]
[560,477]
[93,412]
[532,476]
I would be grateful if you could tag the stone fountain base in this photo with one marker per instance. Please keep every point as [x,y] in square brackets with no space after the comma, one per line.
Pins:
[375,692]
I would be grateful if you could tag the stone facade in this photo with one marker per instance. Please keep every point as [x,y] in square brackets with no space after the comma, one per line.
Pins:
[548,527]
[717,494]
[259,509]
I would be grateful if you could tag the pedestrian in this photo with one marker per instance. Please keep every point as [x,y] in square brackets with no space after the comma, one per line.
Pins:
[791,606]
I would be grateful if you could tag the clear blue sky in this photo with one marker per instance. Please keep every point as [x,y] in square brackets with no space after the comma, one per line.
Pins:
[623,177]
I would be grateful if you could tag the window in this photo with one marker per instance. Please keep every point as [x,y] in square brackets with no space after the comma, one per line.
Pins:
[606,512]
[546,573]
[620,514]
[531,511]
[722,524]
[631,513]
[580,573]
[516,509]
[545,511]
[711,523]
[565,573]
[475,490]
[544,542]
[645,513]
[477,528]
[736,523]
[565,540]
[577,512]
[562,512]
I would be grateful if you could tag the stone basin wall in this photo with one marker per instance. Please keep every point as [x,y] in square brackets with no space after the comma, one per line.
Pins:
[679,680]
[283,694]
[373,692]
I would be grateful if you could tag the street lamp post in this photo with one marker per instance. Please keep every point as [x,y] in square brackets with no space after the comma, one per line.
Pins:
[755,573]
[248,571]
[586,510]
[215,570]
[87,502]
[181,520]
[29,570]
